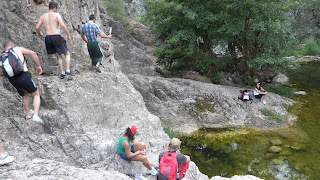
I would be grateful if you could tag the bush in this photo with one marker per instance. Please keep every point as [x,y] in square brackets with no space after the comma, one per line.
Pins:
[281,90]
[115,9]
[311,47]
[167,129]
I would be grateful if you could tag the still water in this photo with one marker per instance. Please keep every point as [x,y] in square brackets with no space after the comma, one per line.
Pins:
[228,152]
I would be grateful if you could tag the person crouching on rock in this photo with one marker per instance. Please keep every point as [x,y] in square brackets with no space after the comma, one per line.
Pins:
[260,93]
[131,150]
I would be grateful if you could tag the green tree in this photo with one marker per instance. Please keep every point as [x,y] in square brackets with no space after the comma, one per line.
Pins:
[190,28]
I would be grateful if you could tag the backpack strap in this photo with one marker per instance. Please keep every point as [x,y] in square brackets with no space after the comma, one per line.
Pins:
[15,54]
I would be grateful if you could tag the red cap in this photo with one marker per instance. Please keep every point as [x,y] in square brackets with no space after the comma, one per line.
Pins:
[134,129]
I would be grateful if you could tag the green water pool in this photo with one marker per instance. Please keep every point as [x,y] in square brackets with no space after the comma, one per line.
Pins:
[228,152]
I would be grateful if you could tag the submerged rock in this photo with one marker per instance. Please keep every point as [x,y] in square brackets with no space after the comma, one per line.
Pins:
[276,142]
[275,149]
[277,161]
[285,152]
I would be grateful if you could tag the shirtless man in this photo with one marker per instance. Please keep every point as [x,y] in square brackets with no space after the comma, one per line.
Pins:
[55,44]
[24,82]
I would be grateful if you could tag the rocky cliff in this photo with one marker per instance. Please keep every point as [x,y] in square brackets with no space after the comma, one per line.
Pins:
[84,117]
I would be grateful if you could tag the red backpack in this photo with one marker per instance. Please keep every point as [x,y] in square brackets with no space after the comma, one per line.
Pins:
[168,167]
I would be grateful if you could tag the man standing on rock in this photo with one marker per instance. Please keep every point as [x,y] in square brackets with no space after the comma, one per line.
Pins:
[89,33]
[23,82]
[55,43]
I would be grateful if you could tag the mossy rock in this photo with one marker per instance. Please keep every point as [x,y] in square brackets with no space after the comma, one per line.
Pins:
[285,152]
[277,161]
[274,149]
[294,134]
[276,142]
[269,155]
[298,147]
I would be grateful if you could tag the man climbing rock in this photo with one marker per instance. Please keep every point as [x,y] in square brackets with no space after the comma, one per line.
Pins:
[23,81]
[89,33]
[55,43]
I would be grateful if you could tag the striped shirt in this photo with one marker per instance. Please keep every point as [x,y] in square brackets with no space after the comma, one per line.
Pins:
[90,30]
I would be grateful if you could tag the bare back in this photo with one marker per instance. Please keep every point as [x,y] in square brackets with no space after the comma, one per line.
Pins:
[19,52]
[51,22]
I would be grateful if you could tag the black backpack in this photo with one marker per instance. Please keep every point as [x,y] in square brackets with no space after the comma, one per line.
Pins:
[10,63]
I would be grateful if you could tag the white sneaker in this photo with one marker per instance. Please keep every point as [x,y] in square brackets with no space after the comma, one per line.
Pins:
[152,171]
[37,119]
[139,177]
[6,159]
[264,102]
[29,117]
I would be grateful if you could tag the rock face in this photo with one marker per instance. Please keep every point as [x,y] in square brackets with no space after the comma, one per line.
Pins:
[188,105]
[85,117]
[281,79]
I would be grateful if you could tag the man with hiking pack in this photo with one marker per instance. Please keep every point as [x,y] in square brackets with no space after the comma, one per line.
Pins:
[173,165]
[14,67]
[89,33]
[55,43]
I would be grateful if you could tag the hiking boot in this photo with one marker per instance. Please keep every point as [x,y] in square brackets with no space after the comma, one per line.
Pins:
[69,73]
[97,69]
[152,171]
[139,177]
[62,76]
[6,159]
[37,119]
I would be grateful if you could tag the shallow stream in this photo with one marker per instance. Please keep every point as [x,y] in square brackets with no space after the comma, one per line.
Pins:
[228,152]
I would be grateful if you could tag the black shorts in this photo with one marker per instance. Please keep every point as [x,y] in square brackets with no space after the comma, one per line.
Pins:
[258,96]
[23,81]
[56,43]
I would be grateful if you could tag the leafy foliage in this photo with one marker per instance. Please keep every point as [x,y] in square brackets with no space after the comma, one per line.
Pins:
[282,90]
[167,129]
[255,29]
[115,9]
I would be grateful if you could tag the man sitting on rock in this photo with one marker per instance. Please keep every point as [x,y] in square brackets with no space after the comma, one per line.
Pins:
[171,162]
[23,82]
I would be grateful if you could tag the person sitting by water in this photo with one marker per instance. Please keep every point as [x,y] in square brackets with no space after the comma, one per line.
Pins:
[260,93]
[131,150]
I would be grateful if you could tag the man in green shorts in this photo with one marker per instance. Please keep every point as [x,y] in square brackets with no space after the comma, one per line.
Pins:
[89,33]
[55,43]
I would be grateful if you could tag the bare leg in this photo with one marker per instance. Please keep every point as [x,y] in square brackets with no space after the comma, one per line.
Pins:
[264,96]
[98,64]
[1,152]
[36,102]
[139,146]
[26,103]
[68,61]
[59,57]
[144,160]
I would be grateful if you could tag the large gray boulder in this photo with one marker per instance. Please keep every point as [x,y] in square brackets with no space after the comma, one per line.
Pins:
[188,105]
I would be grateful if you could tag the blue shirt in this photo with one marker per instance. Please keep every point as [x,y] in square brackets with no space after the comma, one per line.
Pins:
[90,30]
